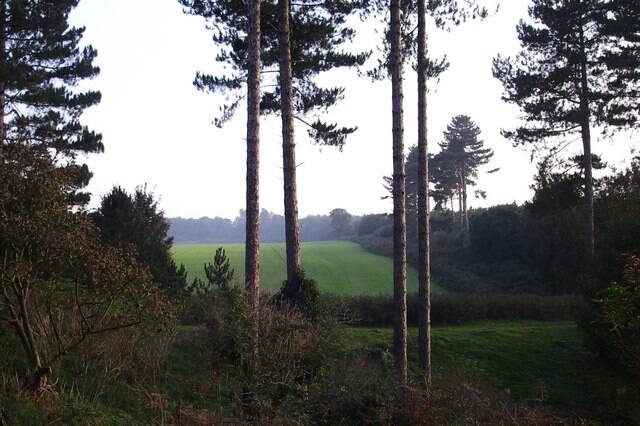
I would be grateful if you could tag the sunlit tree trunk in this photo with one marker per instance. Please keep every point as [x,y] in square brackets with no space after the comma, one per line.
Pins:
[424,267]
[252,238]
[399,217]
[292,229]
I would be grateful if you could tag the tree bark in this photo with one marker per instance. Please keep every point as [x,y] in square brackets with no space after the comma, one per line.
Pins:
[460,221]
[292,229]
[465,215]
[252,236]
[424,267]
[3,84]
[585,131]
[453,212]
[399,214]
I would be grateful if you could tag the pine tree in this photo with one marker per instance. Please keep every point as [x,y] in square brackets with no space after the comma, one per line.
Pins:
[621,24]
[219,273]
[400,45]
[465,154]
[560,81]
[41,63]
[252,228]
[442,175]
[424,260]
[396,63]
[298,44]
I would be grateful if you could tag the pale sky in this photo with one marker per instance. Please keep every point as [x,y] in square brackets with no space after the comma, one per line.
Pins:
[158,129]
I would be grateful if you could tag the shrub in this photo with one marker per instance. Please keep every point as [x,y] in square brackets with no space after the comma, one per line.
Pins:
[453,309]
[292,350]
[301,295]
[617,322]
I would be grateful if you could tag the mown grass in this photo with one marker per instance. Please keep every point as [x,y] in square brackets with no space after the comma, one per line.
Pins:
[543,362]
[339,267]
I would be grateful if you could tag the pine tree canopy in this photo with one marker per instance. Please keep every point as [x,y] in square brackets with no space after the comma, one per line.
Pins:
[319,34]
[41,64]
[622,25]
[462,150]
[561,73]
[445,14]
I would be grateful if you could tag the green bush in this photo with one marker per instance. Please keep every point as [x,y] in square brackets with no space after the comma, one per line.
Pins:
[453,309]
[617,318]
[302,295]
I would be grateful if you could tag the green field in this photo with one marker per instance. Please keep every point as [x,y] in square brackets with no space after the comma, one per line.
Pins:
[529,360]
[536,362]
[339,267]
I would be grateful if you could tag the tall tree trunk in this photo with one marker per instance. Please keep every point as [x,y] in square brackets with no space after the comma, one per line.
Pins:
[3,56]
[460,221]
[453,212]
[424,267]
[465,215]
[586,143]
[399,216]
[292,229]
[252,236]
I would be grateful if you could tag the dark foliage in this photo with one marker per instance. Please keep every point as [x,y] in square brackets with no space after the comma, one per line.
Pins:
[135,220]
[319,33]
[64,292]
[41,65]
[497,233]
[301,295]
[219,273]
[341,223]
[377,311]
[616,328]
[370,223]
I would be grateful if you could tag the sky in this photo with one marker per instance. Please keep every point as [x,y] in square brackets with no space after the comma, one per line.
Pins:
[158,129]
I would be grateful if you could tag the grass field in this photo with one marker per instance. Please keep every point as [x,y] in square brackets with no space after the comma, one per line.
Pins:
[339,267]
[539,362]
[530,360]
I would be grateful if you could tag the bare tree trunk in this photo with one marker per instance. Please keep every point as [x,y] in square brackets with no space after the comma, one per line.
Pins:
[252,236]
[460,221]
[588,166]
[3,56]
[424,267]
[465,214]
[399,216]
[292,229]
[453,212]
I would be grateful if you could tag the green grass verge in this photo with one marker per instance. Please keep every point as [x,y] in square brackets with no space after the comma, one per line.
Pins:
[339,267]
[530,360]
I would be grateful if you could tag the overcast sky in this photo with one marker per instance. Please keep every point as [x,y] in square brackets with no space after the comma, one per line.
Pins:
[158,128]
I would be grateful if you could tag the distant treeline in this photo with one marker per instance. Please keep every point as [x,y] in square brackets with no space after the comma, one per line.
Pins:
[338,224]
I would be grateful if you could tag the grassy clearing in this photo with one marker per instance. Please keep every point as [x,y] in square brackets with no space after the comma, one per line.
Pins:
[537,361]
[339,267]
